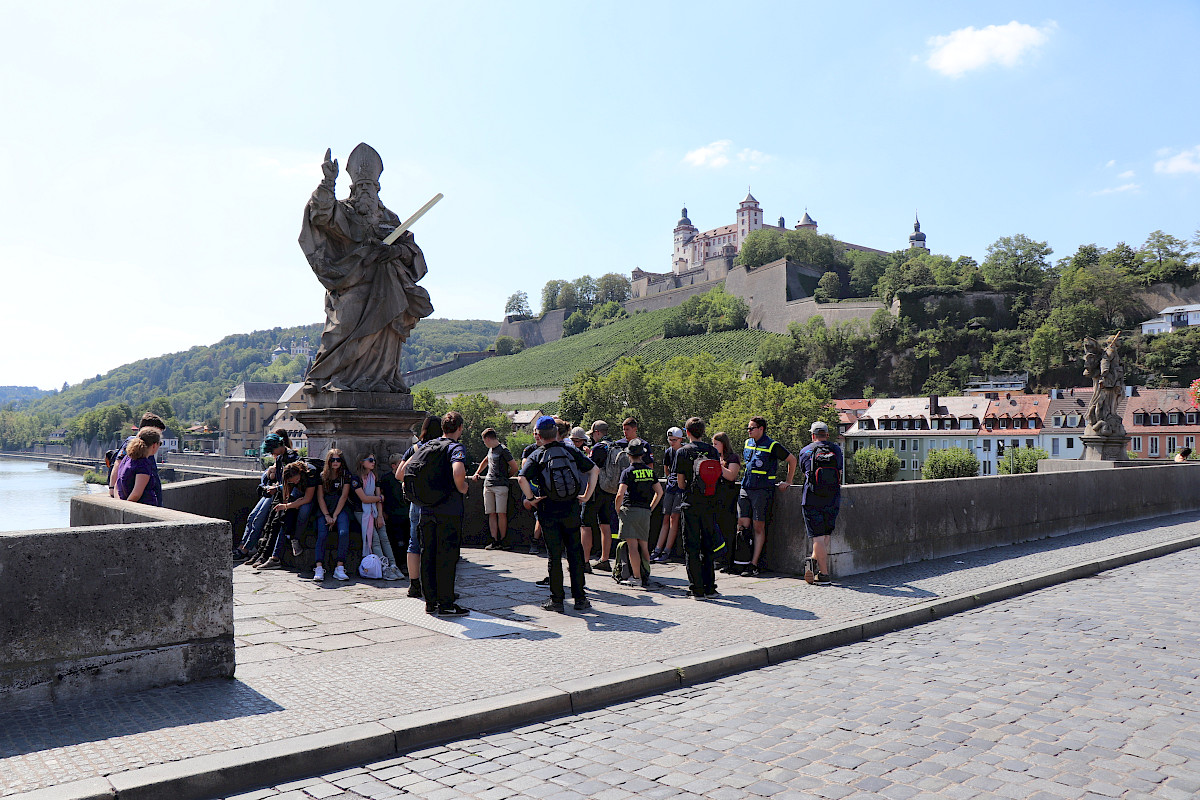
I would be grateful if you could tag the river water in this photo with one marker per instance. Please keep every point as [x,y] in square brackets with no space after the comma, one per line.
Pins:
[33,496]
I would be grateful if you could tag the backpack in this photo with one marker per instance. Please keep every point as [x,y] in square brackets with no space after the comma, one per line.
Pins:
[622,571]
[616,463]
[427,480]
[370,567]
[743,547]
[706,474]
[561,479]
[823,475]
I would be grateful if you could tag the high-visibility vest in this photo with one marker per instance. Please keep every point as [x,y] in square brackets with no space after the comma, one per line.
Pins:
[762,465]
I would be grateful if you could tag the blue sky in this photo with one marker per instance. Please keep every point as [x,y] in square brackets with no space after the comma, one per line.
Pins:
[159,155]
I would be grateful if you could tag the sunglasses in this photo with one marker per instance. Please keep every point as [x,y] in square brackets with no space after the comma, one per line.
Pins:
[369,459]
[336,460]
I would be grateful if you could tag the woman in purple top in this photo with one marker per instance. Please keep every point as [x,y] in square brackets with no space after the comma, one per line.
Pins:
[137,476]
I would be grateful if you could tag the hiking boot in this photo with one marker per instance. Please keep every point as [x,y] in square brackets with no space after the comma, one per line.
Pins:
[318,573]
[810,573]
[453,611]
[583,605]
[604,566]
[339,572]
[750,571]
[544,581]
[554,605]
[414,588]
[297,548]
[270,563]
[822,579]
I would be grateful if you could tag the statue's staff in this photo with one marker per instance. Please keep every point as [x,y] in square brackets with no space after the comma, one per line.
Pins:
[408,223]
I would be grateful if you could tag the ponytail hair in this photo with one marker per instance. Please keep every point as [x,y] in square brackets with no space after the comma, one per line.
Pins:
[282,434]
[146,438]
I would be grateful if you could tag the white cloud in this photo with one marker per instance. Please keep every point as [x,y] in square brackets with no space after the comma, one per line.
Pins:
[970,48]
[720,154]
[1126,175]
[1125,187]
[1182,163]
[1111,163]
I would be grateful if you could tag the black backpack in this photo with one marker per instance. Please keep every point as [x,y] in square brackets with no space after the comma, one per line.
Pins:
[622,571]
[824,478]
[561,478]
[428,479]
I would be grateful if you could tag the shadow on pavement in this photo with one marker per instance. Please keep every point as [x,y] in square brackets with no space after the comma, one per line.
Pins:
[98,718]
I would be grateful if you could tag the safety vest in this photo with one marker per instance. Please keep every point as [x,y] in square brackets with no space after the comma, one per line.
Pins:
[762,465]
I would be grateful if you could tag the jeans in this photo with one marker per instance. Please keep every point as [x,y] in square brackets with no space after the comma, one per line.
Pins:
[699,541]
[343,530]
[255,522]
[439,558]
[294,525]
[562,534]
[414,529]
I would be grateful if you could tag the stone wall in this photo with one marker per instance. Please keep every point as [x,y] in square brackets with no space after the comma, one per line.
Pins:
[130,597]
[669,298]
[457,361]
[539,330]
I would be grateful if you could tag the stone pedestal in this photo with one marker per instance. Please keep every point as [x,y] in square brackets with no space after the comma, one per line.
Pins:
[1103,448]
[360,423]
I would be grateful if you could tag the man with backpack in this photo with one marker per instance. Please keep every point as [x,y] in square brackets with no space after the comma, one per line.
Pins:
[760,481]
[600,512]
[822,464]
[435,479]
[697,474]
[566,478]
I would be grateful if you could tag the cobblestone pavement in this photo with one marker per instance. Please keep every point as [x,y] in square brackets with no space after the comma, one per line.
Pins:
[1086,690]
[309,661]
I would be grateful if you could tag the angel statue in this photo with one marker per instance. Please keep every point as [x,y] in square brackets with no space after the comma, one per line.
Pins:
[1103,366]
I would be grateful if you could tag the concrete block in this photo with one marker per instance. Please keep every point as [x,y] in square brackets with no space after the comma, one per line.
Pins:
[709,664]
[623,684]
[786,648]
[266,764]
[87,789]
[513,709]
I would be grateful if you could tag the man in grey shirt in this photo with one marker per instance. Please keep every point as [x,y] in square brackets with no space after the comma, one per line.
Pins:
[500,467]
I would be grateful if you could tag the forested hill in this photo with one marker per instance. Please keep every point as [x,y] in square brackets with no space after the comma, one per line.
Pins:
[196,381]
[20,396]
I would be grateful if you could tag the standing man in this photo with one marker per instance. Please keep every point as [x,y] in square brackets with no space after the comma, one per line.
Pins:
[600,512]
[441,525]
[697,474]
[671,499]
[822,464]
[500,467]
[760,481]
[630,428]
[559,471]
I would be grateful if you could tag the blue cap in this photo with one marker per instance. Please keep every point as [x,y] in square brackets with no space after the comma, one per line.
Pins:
[544,423]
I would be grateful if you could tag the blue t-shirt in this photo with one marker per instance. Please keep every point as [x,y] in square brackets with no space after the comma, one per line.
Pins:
[452,506]
[804,465]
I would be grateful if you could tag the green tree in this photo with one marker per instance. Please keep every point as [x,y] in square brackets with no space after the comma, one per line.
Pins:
[828,288]
[865,271]
[789,410]
[508,345]
[953,462]
[760,247]
[1016,262]
[612,287]
[578,322]
[1018,460]
[585,291]
[518,303]
[431,404]
[552,295]
[1045,349]
[818,249]
[1166,259]
[606,314]
[872,465]
[479,413]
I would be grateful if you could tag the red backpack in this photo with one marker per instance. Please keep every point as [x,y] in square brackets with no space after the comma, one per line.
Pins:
[707,472]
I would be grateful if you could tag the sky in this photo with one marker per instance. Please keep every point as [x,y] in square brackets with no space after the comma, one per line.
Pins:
[159,155]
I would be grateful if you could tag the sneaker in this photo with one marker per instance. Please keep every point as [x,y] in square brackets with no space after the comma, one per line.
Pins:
[319,573]
[695,595]
[414,588]
[297,548]
[822,579]
[533,548]
[544,581]
[632,582]
[587,568]
[453,611]
[431,608]
[583,605]
[750,571]
[339,572]
[604,566]
[712,592]
[654,554]
[728,570]
[270,563]
[392,574]
[492,545]
[552,605]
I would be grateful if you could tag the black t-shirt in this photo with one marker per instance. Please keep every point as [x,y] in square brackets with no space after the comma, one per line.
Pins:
[532,471]
[393,497]
[333,492]
[452,506]
[647,457]
[498,459]
[685,459]
[639,481]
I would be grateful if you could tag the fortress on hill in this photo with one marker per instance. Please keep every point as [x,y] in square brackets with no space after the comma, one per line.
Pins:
[778,293]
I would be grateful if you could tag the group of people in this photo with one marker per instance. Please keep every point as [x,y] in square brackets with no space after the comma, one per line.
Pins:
[133,468]
[583,488]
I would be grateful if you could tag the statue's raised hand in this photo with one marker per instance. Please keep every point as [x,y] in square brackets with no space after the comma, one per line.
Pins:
[330,166]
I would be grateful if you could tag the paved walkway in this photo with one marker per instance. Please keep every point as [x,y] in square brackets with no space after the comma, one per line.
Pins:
[309,660]
[1085,690]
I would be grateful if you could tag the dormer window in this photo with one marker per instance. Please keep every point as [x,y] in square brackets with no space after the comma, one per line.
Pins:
[1156,419]
[1174,418]
[1058,420]
[1191,418]
[1073,421]
[1139,419]
[1004,423]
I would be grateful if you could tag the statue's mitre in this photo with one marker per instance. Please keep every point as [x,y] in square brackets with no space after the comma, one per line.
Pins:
[364,164]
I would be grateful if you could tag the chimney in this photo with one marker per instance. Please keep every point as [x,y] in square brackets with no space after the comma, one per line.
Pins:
[933,405]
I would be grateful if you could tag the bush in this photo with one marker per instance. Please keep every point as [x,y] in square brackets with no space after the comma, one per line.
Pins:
[576,323]
[953,462]
[508,345]
[1018,460]
[872,465]
[92,476]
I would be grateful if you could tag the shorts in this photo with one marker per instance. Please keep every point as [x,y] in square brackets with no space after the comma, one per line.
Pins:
[755,504]
[599,510]
[495,499]
[670,503]
[820,521]
[635,523]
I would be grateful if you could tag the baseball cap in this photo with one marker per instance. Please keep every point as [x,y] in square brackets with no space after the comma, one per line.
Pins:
[272,441]
[636,447]
[544,423]
[578,433]
[675,433]
[819,426]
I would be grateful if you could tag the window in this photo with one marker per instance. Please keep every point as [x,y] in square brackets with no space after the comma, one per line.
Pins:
[1073,421]
[987,445]
[958,442]
[903,445]
[916,445]
[879,444]
[1173,418]
[1153,445]
[1139,419]
[1156,419]
[1135,444]
[1070,443]
[857,446]
[891,444]
[916,465]
[237,420]
[945,443]
[1032,424]
[987,468]
[1058,420]
[1191,418]
[1016,442]
[253,422]
[1171,448]
[905,424]
[1189,441]
[1004,423]
[1029,443]
[1054,446]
